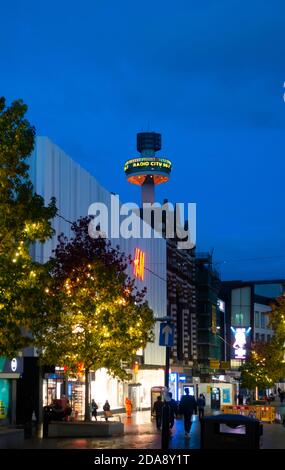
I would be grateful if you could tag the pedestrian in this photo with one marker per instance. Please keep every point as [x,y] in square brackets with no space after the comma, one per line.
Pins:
[128,405]
[201,403]
[240,399]
[282,396]
[187,406]
[173,410]
[107,410]
[94,408]
[157,411]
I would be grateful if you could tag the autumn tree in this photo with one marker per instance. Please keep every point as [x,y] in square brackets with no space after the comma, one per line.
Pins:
[266,364]
[24,220]
[104,319]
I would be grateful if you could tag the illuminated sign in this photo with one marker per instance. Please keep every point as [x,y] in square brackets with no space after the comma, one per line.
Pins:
[240,339]
[221,305]
[148,164]
[11,366]
[139,264]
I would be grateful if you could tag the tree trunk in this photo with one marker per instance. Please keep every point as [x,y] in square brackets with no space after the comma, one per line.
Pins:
[87,416]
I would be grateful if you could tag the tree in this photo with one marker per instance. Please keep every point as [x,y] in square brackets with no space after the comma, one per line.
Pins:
[257,371]
[104,319]
[277,321]
[24,220]
[266,364]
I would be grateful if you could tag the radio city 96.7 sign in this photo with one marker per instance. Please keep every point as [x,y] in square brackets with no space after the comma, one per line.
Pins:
[240,342]
[150,164]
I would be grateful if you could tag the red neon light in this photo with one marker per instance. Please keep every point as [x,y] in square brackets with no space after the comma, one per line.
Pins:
[139,264]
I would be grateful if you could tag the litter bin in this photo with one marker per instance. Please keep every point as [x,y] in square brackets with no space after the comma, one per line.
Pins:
[227,431]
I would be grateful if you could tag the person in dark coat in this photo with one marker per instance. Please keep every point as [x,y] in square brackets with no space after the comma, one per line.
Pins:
[201,403]
[157,411]
[240,399]
[173,410]
[187,406]
[94,408]
[107,410]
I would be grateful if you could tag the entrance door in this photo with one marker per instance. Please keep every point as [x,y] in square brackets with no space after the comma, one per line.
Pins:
[215,398]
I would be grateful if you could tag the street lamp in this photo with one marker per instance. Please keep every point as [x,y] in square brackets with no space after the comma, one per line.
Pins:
[165,341]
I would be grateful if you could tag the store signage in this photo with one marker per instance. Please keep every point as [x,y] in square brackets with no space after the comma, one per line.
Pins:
[240,340]
[182,378]
[214,364]
[139,264]
[12,366]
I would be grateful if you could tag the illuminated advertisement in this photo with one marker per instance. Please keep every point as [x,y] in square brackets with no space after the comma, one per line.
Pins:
[240,342]
[227,395]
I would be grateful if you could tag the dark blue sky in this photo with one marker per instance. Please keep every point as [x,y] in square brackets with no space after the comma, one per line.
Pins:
[208,75]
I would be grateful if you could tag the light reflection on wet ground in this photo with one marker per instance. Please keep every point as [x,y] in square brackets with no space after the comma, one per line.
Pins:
[141,433]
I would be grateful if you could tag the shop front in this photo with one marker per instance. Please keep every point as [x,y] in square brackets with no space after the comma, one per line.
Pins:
[147,379]
[218,394]
[178,381]
[10,371]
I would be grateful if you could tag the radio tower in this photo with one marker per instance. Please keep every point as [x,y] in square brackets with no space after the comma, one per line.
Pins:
[148,170]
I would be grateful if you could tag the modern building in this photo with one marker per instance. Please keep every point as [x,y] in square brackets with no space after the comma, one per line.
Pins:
[247,304]
[55,174]
[210,317]
[181,307]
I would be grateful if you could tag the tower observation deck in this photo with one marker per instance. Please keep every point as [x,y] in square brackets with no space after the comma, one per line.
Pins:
[148,170]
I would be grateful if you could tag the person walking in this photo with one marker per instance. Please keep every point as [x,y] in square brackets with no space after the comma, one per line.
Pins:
[240,399]
[94,408]
[201,403]
[128,406]
[187,406]
[107,410]
[173,410]
[157,411]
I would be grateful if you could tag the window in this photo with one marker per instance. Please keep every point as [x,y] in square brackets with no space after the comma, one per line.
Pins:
[257,337]
[257,319]
[262,337]
[268,338]
[239,319]
[263,321]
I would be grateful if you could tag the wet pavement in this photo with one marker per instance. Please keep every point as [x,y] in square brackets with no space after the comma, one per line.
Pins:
[141,433]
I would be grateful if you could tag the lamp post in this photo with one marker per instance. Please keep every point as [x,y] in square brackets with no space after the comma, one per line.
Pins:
[165,341]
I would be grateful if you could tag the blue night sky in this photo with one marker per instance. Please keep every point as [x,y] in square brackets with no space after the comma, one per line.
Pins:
[208,75]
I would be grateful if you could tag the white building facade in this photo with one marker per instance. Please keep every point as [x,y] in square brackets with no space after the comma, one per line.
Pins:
[55,174]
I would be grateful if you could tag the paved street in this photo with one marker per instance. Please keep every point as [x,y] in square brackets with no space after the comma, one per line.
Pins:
[141,433]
